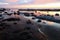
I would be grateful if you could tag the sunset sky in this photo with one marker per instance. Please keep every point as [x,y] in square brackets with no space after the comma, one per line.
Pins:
[30,3]
[42,4]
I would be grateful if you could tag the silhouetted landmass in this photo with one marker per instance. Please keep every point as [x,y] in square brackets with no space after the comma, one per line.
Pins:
[39,9]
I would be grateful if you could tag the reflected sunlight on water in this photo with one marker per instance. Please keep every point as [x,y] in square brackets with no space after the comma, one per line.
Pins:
[51,23]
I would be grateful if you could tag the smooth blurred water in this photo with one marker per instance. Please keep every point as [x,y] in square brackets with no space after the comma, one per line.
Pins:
[52,23]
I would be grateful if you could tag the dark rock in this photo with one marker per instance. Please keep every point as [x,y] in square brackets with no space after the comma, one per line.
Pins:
[20,31]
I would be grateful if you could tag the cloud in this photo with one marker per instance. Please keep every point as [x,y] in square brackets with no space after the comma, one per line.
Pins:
[29,1]
[1,3]
[26,1]
[11,0]
[45,1]
[44,6]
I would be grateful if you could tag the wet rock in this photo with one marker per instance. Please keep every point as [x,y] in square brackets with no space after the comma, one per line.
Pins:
[16,29]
